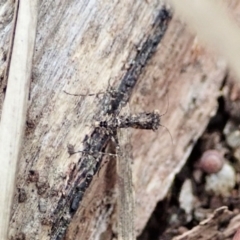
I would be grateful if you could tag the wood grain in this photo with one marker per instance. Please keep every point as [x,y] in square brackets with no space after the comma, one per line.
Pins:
[81,47]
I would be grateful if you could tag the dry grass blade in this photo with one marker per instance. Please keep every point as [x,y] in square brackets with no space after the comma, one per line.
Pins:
[15,105]
[125,204]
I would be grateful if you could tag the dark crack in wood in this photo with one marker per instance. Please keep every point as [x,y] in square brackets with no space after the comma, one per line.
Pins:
[88,165]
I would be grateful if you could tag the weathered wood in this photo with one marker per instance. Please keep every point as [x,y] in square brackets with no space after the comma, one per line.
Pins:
[183,72]
[81,47]
[209,228]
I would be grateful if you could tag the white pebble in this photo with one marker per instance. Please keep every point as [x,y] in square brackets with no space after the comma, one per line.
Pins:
[186,199]
[221,183]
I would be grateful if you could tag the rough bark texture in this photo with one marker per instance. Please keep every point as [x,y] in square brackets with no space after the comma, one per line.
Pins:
[208,229]
[82,46]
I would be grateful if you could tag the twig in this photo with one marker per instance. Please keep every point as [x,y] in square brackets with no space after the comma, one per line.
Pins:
[15,105]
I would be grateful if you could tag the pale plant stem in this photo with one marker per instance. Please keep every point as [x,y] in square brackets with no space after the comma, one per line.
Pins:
[14,110]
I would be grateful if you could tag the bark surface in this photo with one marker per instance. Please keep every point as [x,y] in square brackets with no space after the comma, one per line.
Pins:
[82,47]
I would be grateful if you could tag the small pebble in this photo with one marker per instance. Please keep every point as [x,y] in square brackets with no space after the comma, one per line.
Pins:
[186,199]
[211,161]
[233,139]
[221,183]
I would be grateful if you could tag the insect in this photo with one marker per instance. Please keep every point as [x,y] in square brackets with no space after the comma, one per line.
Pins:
[114,126]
